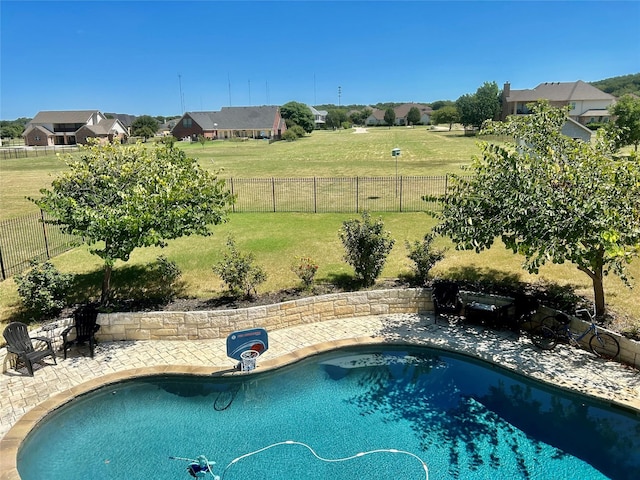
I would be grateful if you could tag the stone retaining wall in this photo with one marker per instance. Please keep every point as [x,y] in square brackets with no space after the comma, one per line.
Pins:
[220,323]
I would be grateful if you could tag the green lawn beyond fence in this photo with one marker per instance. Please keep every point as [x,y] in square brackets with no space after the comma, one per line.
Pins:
[27,238]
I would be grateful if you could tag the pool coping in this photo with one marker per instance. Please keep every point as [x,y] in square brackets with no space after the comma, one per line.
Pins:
[12,440]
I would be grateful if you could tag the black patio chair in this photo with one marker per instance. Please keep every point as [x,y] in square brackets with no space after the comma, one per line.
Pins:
[19,343]
[85,327]
[446,298]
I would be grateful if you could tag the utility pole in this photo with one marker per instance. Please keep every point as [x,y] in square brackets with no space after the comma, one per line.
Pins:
[181,95]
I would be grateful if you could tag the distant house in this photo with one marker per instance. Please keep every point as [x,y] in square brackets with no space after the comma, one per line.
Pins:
[319,117]
[587,103]
[401,111]
[232,122]
[71,127]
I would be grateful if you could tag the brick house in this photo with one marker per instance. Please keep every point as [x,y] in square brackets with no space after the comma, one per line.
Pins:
[232,122]
[71,127]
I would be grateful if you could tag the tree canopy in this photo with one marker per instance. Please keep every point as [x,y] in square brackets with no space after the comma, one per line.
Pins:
[627,112]
[144,126]
[389,116]
[621,85]
[483,105]
[447,114]
[119,198]
[296,113]
[335,117]
[413,116]
[550,198]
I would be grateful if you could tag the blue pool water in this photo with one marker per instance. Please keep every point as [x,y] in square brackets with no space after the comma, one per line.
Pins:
[465,419]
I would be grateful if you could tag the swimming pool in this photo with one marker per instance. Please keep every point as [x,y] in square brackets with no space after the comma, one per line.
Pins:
[465,419]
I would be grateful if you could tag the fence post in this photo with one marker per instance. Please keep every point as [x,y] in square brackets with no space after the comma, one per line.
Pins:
[315,196]
[233,206]
[273,193]
[446,185]
[357,194]
[400,194]
[4,275]
[44,233]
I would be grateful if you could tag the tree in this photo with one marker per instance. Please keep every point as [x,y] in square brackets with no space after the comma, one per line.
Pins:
[144,126]
[484,105]
[550,198]
[367,246]
[389,116]
[413,116]
[447,114]
[335,117]
[627,111]
[11,131]
[296,113]
[360,117]
[437,105]
[125,197]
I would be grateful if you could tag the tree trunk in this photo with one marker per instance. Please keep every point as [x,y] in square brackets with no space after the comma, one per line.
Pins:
[598,293]
[596,276]
[106,284]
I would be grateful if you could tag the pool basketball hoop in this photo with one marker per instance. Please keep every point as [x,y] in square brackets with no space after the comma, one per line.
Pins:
[248,360]
[246,346]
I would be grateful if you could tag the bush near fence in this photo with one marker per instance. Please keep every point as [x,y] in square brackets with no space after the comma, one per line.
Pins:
[30,238]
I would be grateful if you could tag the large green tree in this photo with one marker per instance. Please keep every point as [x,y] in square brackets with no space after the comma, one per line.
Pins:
[119,198]
[389,116]
[335,117]
[296,113]
[627,112]
[550,198]
[483,105]
[447,114]
[144,126]
[413,116]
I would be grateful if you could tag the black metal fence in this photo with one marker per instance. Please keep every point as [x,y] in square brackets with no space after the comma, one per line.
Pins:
[25,152]
[30,238]
[336,195]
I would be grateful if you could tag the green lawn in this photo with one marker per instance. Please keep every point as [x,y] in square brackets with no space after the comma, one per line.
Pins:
[321,154]
[276,239]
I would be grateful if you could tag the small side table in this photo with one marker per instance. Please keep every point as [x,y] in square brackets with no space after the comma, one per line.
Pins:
[50,331]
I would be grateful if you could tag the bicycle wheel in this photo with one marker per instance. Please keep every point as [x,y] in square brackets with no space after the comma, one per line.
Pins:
[604,345]
[543,337]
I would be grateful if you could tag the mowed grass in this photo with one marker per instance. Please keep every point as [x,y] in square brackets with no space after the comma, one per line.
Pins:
[276,239]
[322,154]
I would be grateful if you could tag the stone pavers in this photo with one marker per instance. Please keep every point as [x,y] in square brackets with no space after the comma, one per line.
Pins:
[564,366]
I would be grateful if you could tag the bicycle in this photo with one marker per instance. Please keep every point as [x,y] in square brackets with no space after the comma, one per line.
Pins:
[556,327]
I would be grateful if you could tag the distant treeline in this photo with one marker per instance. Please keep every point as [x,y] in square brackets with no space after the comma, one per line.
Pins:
[618,86]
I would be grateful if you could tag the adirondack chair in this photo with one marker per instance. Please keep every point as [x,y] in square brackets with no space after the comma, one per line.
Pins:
[85,327]
[19,343]
[446,298]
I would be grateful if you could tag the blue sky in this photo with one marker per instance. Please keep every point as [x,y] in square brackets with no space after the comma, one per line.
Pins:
[137,57]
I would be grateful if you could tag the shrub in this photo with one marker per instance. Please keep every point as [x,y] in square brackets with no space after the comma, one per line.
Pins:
[346,125]
[298,130]
[238,271]
[166,273]
[424,257]
[367,246]
[305,269]
[290,135]
[43,289]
